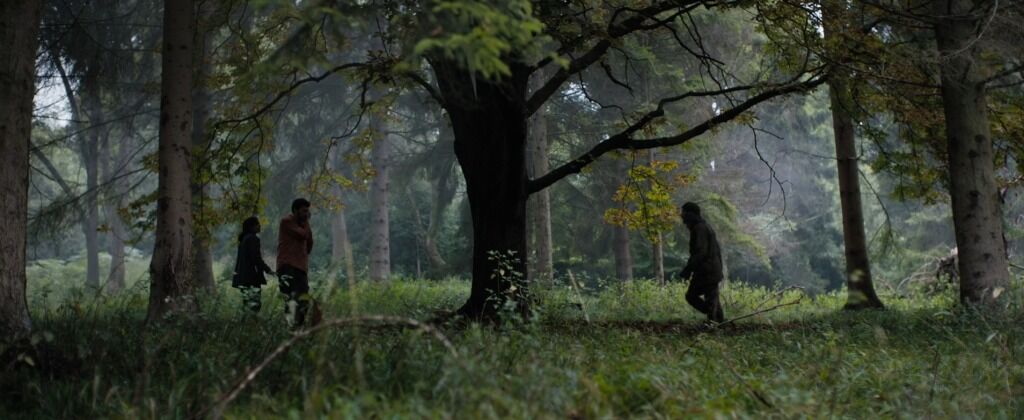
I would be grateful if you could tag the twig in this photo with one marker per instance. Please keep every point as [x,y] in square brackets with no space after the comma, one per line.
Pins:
[250,375]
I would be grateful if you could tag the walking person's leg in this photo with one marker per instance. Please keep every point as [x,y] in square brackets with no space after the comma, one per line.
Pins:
[715,312]
[694,296]
[251,298]
[300,295]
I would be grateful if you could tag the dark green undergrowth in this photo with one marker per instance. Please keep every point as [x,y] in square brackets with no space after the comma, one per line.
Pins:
[629,351]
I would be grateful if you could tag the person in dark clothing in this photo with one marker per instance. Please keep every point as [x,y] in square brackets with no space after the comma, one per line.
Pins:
[704,268]
[294,242]
[249,265]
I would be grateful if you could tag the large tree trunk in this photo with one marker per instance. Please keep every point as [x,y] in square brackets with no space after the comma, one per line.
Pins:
[539,209]
[171,290]
[19,27]
[341,245]
[489,121]
[623,259]
[859,284]
[380,236]
[977,215]
[202,275]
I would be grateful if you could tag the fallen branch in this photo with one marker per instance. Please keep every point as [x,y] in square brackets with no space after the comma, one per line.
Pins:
[222,402]
[758,312]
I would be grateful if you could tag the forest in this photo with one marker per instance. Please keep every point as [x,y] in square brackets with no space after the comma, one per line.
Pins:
[511,208]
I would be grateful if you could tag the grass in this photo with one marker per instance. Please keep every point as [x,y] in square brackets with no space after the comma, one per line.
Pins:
[642,354]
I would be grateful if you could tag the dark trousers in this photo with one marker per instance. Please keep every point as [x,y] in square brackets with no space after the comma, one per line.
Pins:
[294,284]
[703,296]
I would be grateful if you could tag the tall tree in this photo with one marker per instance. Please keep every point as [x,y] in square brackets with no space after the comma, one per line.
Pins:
[380,236]
[490,108]
[202,109]
[860,286]
[89,146]
[540,203]
[19,26]
[341,245]
[977,213]
[657,248]
[114,161]
[171,288]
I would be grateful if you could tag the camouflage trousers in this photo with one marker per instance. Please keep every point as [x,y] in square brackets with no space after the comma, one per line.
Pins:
[251,298]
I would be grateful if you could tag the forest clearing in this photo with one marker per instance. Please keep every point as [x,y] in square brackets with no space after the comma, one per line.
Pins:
[511,208]
[641,354]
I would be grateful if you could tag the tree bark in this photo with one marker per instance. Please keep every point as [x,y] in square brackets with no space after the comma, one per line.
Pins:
[89,152]
[859,284]
[657,249]
[202,275]
[489,122]
[444,192]
[19,27]
[977,214]
[171,290]
[539,208]
[623,259]
[380,237]
[113,162]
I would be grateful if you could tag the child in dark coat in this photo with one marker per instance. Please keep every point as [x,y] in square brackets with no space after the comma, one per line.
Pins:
[249,265]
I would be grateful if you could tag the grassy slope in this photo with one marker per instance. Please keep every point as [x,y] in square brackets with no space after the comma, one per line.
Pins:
[642,354]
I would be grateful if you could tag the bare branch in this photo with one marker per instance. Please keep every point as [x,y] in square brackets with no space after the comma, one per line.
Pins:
[623,140]
[615,30]
[287,92]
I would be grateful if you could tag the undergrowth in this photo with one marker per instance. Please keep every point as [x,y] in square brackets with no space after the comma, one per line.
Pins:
[634,350]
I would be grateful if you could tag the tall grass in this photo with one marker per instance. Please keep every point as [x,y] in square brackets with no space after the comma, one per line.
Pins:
[622,351]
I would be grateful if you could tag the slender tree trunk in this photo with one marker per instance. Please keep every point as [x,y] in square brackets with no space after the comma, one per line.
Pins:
[977,214]
[623,259]
[114,201]
[202,275]
[442,195]
[489,123]
[445,185]
[19,27]
[341,245]
[380,237]
[89,151]
[658,255]
[171,290]
[539,209]
[657,249]
[859,284]
[444,192]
